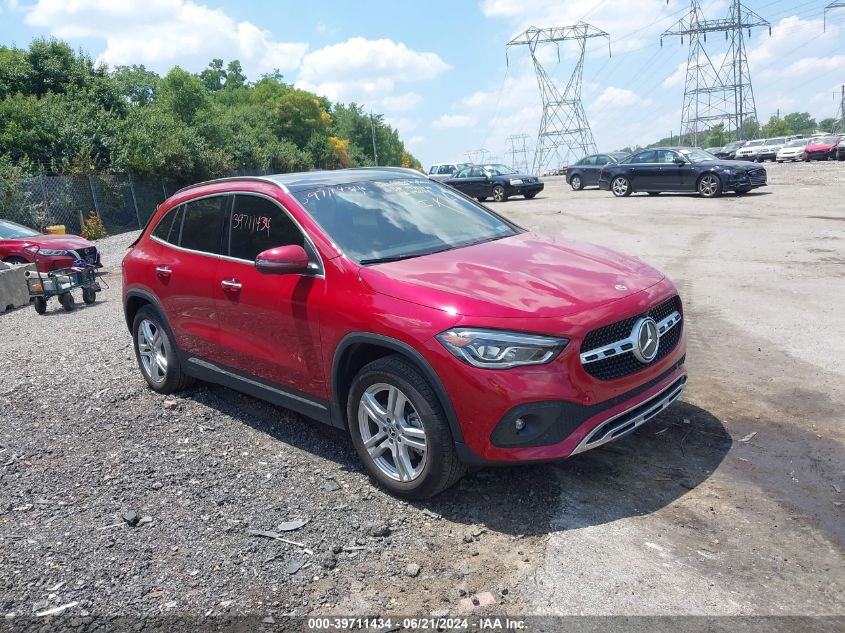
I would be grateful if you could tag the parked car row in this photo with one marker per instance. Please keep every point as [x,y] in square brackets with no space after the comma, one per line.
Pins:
[820,146]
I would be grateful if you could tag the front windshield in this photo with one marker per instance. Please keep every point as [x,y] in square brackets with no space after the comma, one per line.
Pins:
[801,142]
[696,155]
[11,231]
[499,170]
[754,143]
[775,141]
[386,220]
[827,140]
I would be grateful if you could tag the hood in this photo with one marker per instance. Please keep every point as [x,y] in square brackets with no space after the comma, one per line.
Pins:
[67,242]
[821,147]
[735,164]
[527,275]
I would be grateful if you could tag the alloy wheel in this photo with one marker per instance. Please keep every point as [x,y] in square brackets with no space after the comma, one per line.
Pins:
[575,182]
[151,350]
[392,432]
[498,193]
[620,186]
[709,185]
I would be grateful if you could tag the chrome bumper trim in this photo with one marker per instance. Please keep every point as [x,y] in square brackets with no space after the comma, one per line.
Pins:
[632,418]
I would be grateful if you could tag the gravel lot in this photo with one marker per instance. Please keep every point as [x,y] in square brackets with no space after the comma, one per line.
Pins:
[731,502]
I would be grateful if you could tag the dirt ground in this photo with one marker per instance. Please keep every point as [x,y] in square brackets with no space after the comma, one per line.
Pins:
[730,502]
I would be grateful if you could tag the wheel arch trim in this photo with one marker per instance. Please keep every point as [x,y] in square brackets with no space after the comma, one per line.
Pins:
[408,352]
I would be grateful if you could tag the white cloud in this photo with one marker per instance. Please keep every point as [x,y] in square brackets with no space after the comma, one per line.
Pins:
[613,97]
[368,71]
[161,33]
[450,121]
[677,78]
[803,67]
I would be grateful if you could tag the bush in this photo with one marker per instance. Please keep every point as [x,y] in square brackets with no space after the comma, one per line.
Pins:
[92,228]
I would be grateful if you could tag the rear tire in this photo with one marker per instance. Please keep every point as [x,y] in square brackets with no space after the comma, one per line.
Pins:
[709,186]
[620,186]
[155,352]
[391,400]
[40,305]
[68,302]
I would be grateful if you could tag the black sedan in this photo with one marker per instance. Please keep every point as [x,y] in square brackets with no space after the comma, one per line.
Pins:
[729,150]
[494,181]
[585,173]
[681,169]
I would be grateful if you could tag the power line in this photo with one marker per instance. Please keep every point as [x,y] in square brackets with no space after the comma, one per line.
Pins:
[564,130]
[831,7]
[518,152]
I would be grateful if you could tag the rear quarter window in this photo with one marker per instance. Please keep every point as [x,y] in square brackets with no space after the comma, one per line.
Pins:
[164,230]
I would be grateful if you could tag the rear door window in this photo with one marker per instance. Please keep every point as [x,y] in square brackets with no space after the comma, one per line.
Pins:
[257,224]
[202,225]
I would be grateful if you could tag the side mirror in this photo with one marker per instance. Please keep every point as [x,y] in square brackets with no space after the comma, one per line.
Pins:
[282,260]
[680,161]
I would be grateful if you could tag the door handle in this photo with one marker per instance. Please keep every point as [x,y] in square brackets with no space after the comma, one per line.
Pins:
[231,285]
[163,271]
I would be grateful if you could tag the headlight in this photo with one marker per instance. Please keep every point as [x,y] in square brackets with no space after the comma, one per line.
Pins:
[515,181]
[52,252]
[495,349]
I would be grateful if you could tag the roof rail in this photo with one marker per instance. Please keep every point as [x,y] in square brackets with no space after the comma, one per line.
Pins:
[229,179]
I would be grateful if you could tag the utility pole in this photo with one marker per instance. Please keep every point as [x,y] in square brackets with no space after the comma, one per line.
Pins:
[839,126]
[564,134]
[518,152]
[830,7]
[373,130]
[716,93]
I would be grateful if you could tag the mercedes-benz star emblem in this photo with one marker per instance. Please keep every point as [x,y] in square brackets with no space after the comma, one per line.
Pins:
[645,334]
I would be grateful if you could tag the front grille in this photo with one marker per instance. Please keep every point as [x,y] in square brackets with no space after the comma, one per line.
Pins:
[625,364]
[757,176]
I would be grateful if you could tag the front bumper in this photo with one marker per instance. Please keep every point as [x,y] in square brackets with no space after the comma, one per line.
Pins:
[521,190]
[817,155]
[560,402]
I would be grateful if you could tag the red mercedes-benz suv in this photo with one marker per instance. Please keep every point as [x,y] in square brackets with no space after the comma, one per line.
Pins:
[438,333]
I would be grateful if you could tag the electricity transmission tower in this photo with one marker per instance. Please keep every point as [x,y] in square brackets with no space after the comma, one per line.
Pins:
[518,152]
[717,92]
[830,7]
[564,130]
[477,155]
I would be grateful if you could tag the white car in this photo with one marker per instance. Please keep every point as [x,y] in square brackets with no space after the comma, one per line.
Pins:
[750,150]
[793,150]
[442,171]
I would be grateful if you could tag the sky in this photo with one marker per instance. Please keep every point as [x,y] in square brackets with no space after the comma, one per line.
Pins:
[438,69]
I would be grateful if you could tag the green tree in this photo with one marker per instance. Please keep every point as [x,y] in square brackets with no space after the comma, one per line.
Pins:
[776,127]
[136,83]
[300,115]
[213,77]
[183,94]
[827,125]
[800,122]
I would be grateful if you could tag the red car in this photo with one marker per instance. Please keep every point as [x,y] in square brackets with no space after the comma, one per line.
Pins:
[822,148]
[21,245]
[438,333]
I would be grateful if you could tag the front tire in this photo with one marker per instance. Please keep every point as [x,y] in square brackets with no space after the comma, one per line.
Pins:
[15,260]
[156,353]
[620,186]
[576,183]
[68,302]
[499,193]
[530,196]
[710,186]
[400,431]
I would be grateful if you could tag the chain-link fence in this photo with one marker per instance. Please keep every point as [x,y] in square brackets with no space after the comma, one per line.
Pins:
[122,201]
